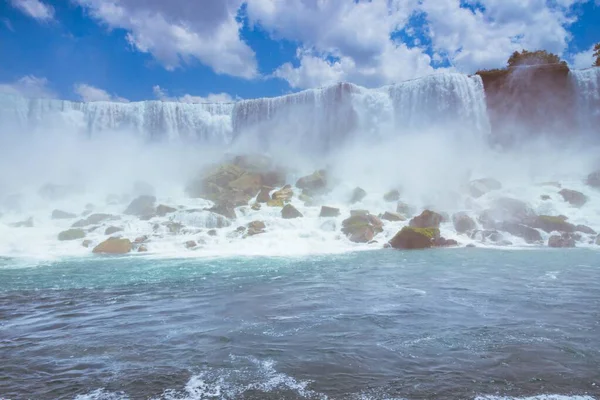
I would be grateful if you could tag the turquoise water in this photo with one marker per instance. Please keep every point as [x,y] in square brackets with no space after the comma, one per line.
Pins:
[460,323]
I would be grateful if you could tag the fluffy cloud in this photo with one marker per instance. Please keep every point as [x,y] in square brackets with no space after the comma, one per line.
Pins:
[163,95]
[583,59]
[90,93]
[35,9]
[28,86]
[179,31]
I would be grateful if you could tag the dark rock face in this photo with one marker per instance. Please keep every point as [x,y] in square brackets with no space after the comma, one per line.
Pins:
[479,187]
[190,244]
[561,241]
[59,214]
[362,228]
[415,238]
[141,206]
[71,234]
[573,197]
[463,223]
[392,195]
[329,212]
[427,219]
[289,212]
[113,246]
[358,195]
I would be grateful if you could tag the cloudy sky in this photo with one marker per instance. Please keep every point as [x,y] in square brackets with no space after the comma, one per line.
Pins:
[219,50]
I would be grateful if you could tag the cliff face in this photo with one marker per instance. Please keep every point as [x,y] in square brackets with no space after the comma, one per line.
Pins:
[529,101]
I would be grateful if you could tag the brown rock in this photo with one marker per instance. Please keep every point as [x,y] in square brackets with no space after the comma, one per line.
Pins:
[463,222]
[415,238]
[225,209]
[561,241]
[427,219]
[113,246]
[314,183]
[289,212]
[142,249]
[285,194]
[263,195]
[255,228]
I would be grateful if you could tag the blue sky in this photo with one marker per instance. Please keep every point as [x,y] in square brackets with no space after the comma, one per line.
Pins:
[209,50]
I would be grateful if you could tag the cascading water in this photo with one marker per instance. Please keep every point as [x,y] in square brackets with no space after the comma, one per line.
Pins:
[587,87]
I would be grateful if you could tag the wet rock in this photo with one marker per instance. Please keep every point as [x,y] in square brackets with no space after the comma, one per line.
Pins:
[530,235]
[392,216]
[561,241]
[485,235]
[212,232]
[190,244]
[174,227]
[113,246]
[59,214]
[289,212]
[585,229]
[479,187]
[358,195]
[415,238]
[141,206]
[463,222]
[549,224]
[284,194]
[28,223]
[573,197]
[255,206]
[112,229]
[71,234]
[427,219]
[142,249]
[392,195]
[255,228]
[362,228]
[593,179]
[141,239]
[329,212]
[598,240]
[355,213]
[94,219]
[86,243]
[263,195]
[225,209]
[225,183]
[545,197]
[275,203]
[313,183]
[162,210]
[441,242]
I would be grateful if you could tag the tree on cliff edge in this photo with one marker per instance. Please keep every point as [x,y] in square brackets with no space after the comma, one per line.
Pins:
[597,55]
[533,58]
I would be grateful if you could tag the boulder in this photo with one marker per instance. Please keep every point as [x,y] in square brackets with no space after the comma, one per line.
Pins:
[255,228]
[275,203]
[549,224]
[264,196]
[93,220]
[362,228]
[28,223]
[289,212]
[573,197]
[427,219]
[141,206]
[59,214]
[313,183]
[545,197]
[162,210]
[530,235]
[142,249]
[404,209]
[463,222]
[113,246]
[593,179]
[174,227]
[86,243]
[225,209]
[358,194]
[249,183]
[561,241]
[479,187]
[141,239]
[112,229]
[392,216]
[329,212]
[212,232]
[441,242]
[71,234]
[415,238]
[214,185]
[285,194]
[190,244]
[392,195]
[585,229]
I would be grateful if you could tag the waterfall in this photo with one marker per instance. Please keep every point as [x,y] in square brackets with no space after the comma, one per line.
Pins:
[587,90]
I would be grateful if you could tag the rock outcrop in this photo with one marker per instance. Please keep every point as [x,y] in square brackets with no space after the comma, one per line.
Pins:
[550,224]
[94,219]
[285,194]
[113,246]
[225,209]
[162,210]
[256,228]
[314,183]
[112,229]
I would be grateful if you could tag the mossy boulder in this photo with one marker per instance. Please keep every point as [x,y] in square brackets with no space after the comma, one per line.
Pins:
[313,183]
[463,222]
[593,179]
[392,195]
[358,194]
[362,228]
[256,228]
[427,219]
[290,212]
[392,216]
[329,212]
[285,194]
[113,246]
[59,214]
[561,241]
[573,197]
[275,203]
[141,206]
[162,210]
[549,224]
[94,219]
[479,187]
[71,234]
[415,238]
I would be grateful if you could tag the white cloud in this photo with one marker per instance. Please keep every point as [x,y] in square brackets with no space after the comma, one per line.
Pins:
[28,86]
[163,95]
[583,59]
[90,93]
[35,9]
[179,31]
